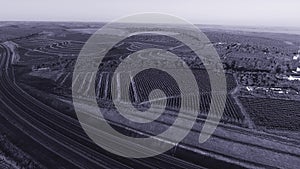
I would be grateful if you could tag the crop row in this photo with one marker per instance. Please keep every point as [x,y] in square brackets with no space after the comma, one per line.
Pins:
[143,86]
[273,113]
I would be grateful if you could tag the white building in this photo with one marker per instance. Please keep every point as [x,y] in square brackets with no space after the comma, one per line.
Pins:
[296,57]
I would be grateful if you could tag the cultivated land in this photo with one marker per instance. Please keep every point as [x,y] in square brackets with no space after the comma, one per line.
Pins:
[260,126]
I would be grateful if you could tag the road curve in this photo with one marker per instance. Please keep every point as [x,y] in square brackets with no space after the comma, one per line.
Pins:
[53,138]
[57,140]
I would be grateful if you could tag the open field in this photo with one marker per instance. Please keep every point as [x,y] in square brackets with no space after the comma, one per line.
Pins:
[259,128]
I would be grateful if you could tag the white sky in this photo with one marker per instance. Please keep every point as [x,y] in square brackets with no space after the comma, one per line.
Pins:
[222,12]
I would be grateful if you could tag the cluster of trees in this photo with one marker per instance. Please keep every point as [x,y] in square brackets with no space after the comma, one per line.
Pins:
[261,79]
[270,65]
[59,63]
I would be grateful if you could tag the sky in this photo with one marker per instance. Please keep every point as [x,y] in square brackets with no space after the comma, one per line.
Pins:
[219,12]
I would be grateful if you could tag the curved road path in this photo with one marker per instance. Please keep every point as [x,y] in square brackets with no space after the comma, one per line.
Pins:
[53,138]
